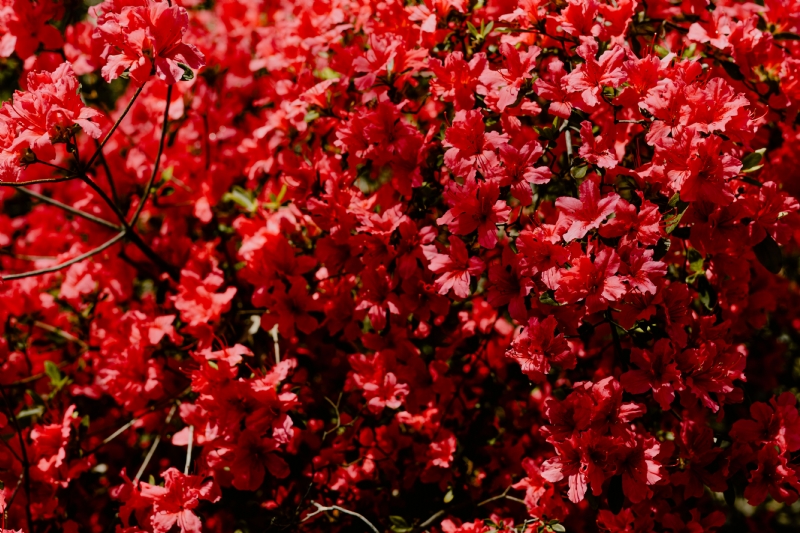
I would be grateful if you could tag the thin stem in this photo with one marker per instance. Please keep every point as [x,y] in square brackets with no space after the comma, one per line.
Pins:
[51,165]
[61,333]
[432,519]
[26,465]
[119,432]
[13,496]
[323,509]
[114,127]
[189,452]
[78,259]
[129,231]
[96,188]
[109,177]
[34,182]
[153,447]
[157,161]
[274,333]
[69,209]
[30,379]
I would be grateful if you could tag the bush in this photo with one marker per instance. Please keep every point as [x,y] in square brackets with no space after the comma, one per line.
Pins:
[439,266]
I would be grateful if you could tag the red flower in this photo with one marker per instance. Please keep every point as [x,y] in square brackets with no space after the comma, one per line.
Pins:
[502,86]
[519,172]
[475,206]
[288,310]
[173,504]
[197,299]
[639,468]
[590,77]
[538,346]
[775,423]
[455,268]
[586,214]
[388,393]
[656,370]
[595,281]
[642,225]
[773,476]
[698,167]
[456,80]
[252,457]
[46,113]
[470,147]
[598,150]
[145,36]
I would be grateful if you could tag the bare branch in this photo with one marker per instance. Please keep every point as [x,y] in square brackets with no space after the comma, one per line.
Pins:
[60,332]
[323,509]
[153,446]
[61,266]
[158,159]
[274,333]
[34,182]
[69,209]
[189,452]
[115,126]
[109,177]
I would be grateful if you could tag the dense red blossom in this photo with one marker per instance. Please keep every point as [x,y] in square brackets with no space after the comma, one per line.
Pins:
[441,265]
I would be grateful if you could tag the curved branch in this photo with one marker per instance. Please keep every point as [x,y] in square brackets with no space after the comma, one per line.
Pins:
[153,447]
[34,182]
[78,259]
[321,509]
[70,209]
[146,194]
[114,127]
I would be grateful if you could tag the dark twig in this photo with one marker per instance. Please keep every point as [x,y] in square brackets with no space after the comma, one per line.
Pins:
[114,127]
[157,161]
[26,465]
[60,266]
[322,509]
[69,209]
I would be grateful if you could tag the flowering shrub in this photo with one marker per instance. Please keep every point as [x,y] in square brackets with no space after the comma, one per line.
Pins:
[447,266]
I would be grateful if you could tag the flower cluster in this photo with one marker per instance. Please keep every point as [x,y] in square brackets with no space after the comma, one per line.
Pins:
[446,266]
[49,111]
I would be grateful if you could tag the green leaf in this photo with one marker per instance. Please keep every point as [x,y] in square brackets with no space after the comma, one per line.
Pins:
[751,160]
[33,411]
[52,371]
[786,36]
[558,528]
[672,222]
[548,133]
[241,197]
[449,496]
[752,169]
[708,296]
[696,261]
[548,298]
[661,51]
[579,172]
[188,73]
[57,381]
[769,254]
[398,520]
